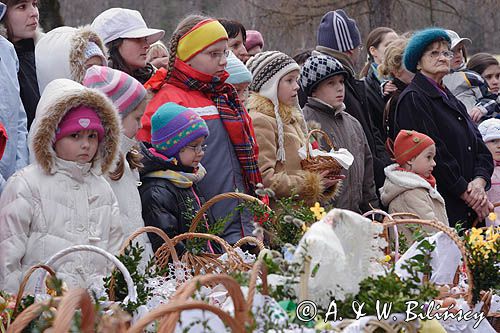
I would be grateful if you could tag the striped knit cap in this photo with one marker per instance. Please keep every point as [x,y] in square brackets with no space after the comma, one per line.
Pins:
[173,127]
[338,31]
[267,69]
[125,91]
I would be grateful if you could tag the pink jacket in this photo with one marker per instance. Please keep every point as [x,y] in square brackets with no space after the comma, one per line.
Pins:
[494,194]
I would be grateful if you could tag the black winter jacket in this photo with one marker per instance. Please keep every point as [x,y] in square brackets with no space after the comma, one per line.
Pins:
[28,82]
[375,101]
[163,203]
[461,153]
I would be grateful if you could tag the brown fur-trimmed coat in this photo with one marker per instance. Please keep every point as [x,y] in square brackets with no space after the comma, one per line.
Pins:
[288,177]
[53,203]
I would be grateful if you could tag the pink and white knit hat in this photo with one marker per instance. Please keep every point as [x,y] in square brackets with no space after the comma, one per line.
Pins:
[77,119]
[125,91]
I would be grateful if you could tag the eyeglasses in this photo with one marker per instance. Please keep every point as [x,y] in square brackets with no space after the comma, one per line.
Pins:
[435,54]
[197,149]
[214,55]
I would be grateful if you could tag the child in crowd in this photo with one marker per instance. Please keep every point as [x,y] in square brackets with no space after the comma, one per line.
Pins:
[66,53]
[196,80]
[130,98]
[171,170]
[488,67]
[281,130]
[410,186]
[62,199]
[237,36]
[254,42]
[239,76]
[127,38]
[322,78]
[158,55]
[490,130]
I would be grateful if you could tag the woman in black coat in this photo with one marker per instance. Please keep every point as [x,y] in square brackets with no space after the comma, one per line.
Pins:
[464,164]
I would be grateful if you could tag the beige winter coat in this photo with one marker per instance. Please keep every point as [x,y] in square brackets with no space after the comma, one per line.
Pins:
[288,177]
[53,204]
[409,193]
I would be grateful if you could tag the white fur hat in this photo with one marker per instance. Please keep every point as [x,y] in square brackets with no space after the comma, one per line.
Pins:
[490,129]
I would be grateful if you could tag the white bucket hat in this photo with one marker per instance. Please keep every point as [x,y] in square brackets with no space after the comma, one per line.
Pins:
[117,23]
[456,39]
[3,9]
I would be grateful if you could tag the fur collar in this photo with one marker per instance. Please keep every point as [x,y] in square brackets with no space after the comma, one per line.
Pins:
[60,96]
[261,104]
[398,181]
[79,42]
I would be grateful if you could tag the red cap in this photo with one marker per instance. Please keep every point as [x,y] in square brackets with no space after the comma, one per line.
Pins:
[409,144]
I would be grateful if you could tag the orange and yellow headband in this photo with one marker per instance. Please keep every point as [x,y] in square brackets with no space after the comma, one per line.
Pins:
[200,37]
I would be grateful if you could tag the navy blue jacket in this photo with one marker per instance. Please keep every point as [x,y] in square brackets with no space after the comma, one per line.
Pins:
[461,153]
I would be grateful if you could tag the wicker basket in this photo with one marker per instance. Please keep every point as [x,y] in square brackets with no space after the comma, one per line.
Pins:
[320,163]
[168,243]
[24,282]
[493,317]
[207,262]
[170,313]
[132,293]
[66,308]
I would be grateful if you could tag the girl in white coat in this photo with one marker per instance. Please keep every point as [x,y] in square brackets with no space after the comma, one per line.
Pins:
[62,199]
[130,98]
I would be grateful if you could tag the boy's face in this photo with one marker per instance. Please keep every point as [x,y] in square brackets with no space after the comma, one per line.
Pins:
[331,91]
[424,163]
[494,147]
[192,153]
[288,88]
[78,147]
[132,122]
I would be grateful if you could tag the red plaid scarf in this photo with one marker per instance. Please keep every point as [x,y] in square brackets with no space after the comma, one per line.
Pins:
[235,118]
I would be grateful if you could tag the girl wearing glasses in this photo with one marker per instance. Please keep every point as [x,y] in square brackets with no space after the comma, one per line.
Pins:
[196,79]
[463,162]
[172,170]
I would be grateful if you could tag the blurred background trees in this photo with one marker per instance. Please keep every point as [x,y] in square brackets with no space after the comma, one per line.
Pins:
[290,25]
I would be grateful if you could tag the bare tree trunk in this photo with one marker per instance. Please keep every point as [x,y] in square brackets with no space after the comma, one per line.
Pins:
[50,16]
[380,13]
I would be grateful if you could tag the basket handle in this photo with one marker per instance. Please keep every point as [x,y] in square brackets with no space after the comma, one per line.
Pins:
[132,292]
[170,313]
[219,197]
[454,237]
[154,230]
[326,136]
[258,268]
[74,299]
[189,235]
[25,280]
[250,240]
[29,314]
[232,287]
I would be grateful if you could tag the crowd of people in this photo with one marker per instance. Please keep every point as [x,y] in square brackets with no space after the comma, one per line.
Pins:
[104,129]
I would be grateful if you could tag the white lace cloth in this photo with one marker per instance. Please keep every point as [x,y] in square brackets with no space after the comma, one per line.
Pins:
[344,248]
[445,259]
[453,325]
[343,156]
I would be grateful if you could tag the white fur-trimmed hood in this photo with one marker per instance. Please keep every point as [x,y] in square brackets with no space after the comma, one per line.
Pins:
[61,54]
[59,97]
[397,182]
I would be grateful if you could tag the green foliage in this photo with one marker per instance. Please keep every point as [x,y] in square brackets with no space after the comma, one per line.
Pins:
[197,246]
[131,259]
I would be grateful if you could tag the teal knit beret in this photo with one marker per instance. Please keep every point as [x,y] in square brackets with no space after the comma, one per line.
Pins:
[417,44]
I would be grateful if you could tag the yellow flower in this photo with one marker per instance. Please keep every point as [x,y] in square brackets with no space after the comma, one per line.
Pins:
[387,258]
[492,216]
[319,212]
[304,228]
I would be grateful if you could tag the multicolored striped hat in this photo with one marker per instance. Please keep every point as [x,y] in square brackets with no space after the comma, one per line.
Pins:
[125,91]
[173,127]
